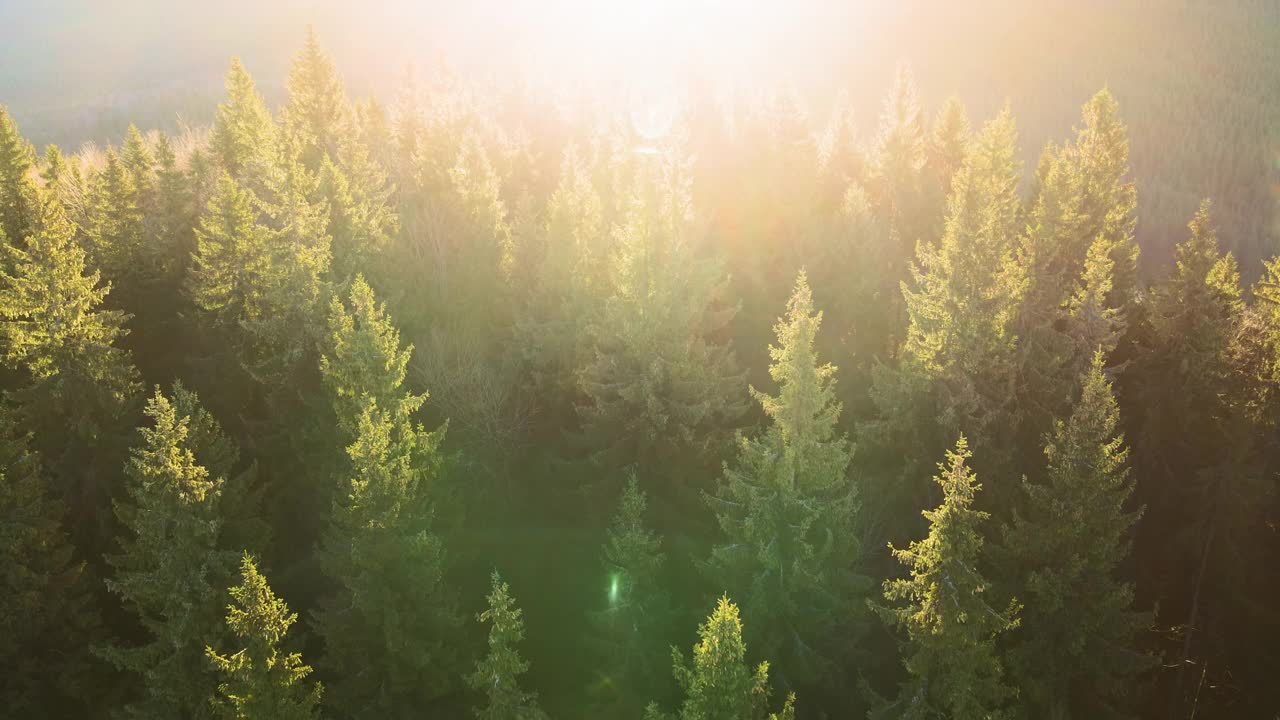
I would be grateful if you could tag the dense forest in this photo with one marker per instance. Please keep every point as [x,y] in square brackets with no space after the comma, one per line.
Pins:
[476,401]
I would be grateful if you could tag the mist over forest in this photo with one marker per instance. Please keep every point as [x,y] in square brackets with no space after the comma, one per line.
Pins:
[697,360]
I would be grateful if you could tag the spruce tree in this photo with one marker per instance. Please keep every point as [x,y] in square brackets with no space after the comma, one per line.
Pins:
[116,232]
[232,260]
[953,666]
[361,220]
[46,611]
[717,682]
[957,370]
[170,572]
[75,381]
[1080,234]
[261,680]
[391,615]
[316,118]
[628,631]
[497,674]
[362,358]
[786,508]
[243,135]
[1075,652]
[1200,442]
[947,145]
[566,286]
[19,201]
[140,163]
[661,392]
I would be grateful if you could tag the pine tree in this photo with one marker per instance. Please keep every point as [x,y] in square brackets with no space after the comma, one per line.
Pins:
[392,615]
[950,653]
[316,118]
[243,133]
[661,392]
[363,360]
[1201,445]
[497,674]
[786,508]
[55,167]
[170,572]
[140,163]
[116,233]
[717,682]
[74,377]
[566,286]
[232,260]
[295,285]
[243,526]
[629,628]
[1082,220]
[46,611]
[1075,648]
[260,286]
[19,201]
[948,144]
[261,680]
[899,156]
[361,219]
[957,370]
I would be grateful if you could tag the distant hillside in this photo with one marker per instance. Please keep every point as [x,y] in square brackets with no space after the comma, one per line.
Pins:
[1198,83]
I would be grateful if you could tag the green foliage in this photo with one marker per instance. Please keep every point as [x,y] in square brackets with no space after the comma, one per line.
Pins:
[950,653]
[363,360]
[46,610]
[116,233]
[661,392]
[628,630]
[497,674]
[316,118]
[786,508]
[19,202]
[261,680]
[243,136]
[170,572]
[260,285]
[55,333]
[568,281]
[392,613]
[1077,642]
[717,682]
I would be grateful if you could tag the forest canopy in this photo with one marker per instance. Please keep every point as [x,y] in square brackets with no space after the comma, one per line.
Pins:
[698,395]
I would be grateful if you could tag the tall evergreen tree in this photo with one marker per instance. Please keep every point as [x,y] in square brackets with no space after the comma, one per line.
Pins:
[957,369]
[1199,443]
[392,615]
[718,684]
[139,162]
[629,629]
[116,232]
[1075,652]
[363,359]
[497,674]
[661,391]
[46,611]
[566,286]
[243,136]
[170,572]
[317,117]
[260,679]
[19,201]
[1080,237]
[950,653]
[76,389]
[786,508]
